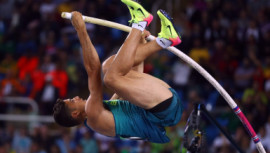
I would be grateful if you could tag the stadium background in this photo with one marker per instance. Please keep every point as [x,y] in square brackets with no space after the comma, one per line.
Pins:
[41,59]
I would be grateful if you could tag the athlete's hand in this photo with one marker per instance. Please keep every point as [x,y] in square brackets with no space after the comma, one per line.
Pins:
[145,34]
[77,21]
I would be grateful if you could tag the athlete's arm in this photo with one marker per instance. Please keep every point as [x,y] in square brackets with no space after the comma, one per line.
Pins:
[98,118]
[90,57]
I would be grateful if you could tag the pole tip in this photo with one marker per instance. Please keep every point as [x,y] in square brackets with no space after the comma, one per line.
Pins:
[66,15]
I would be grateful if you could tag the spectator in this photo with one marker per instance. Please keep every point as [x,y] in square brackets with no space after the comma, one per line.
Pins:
[27,64]
[7,64]
[243,74]
[60,79]
[10,86]
[264,139]
[28,46]
[79,149]
[267,88]
[54,149]
[44,138]
[38,79]
[181,72]
[267,127]
[47,65]
[50,47]
[103,142]
[225,149]
[88,143]
[21,141]
[79,133]
[6,8]
[27,85]
[47,8]
[47,96]
[252,30]
[36,148]
[242,139]
[219,143]
[199,53]
[64,43]
[215,32]
[266,69]
[65,143]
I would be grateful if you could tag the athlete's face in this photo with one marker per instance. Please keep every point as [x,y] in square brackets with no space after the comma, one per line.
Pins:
[75,105]
[74,102]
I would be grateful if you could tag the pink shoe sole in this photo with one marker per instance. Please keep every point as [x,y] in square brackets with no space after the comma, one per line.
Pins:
[149,19]
[175,41]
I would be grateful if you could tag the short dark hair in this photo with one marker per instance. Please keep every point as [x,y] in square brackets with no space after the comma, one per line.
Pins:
[62,114]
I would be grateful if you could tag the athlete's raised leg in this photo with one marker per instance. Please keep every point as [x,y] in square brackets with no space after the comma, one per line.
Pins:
[141,89]
[167,37]
[144,50]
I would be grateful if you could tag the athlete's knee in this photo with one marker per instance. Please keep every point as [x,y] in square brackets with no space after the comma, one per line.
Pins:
[110,79]
[107,63]
[104,68]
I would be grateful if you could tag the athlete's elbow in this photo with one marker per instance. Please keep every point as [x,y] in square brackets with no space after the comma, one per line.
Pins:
[105,68]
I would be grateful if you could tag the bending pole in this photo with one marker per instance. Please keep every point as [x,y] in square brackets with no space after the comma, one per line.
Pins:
[195,65]
[214,121]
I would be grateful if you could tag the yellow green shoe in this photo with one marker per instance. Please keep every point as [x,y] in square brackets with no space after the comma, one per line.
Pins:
[168,30]
[137,12]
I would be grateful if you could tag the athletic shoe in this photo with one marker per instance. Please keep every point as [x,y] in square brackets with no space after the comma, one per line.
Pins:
[137,12]
[167,28]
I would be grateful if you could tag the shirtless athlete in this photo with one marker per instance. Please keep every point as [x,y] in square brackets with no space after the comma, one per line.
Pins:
[147,104]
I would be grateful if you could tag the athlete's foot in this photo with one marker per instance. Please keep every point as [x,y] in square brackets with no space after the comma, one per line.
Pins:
[138,14]
[168,35]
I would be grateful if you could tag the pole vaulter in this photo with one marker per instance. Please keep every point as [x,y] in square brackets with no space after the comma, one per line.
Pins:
[195,65]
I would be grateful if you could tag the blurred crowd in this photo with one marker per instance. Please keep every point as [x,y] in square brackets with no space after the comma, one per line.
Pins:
[40,58]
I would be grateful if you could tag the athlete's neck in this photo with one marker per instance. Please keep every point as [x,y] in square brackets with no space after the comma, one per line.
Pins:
[81,107]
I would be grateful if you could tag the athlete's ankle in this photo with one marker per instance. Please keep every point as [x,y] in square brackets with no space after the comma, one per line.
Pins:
[140,25]
[164,43]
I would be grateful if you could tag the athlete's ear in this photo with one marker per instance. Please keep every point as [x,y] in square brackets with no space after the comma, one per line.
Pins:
[75,114]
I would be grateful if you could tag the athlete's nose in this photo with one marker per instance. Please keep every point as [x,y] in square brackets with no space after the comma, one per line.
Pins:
[77,97]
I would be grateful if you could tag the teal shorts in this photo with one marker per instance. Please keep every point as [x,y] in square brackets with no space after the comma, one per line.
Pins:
[169,117]
[134,121]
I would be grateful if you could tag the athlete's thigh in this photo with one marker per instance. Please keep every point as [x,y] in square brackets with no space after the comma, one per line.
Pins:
[142,89]
[107,63]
